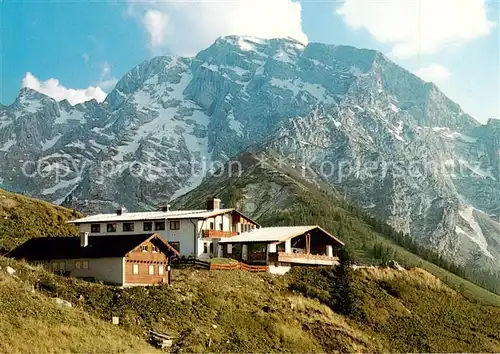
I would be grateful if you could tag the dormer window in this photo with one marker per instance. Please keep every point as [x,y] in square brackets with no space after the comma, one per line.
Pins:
[128,226]
[95,228]
[111,227]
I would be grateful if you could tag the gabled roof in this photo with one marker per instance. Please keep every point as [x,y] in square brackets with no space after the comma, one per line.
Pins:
[274,234]
[47,248]
[156,215]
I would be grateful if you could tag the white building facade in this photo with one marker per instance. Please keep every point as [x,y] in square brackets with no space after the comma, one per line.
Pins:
[194,233]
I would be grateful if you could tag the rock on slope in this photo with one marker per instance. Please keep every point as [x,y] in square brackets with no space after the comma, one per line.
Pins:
[324,107]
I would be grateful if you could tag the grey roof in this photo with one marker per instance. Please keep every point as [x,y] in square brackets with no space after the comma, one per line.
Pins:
[151,215]
[274,234]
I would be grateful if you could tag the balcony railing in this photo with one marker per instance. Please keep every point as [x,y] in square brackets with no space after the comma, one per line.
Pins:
[304,258]
[218,233]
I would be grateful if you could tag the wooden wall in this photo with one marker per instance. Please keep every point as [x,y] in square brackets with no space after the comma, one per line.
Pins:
[144,260]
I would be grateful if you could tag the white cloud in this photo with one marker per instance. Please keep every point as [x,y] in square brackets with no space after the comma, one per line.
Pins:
[106,80]
[155,23]
[418,26]
[53,88]
[433,73]
[85,57]
[189,26]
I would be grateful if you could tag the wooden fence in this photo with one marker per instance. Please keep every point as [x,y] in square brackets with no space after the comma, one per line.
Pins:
[242,266]
[183,262]
[192,262]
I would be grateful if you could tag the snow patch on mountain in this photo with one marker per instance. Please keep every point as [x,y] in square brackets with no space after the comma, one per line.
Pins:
[51,142]
[476,233]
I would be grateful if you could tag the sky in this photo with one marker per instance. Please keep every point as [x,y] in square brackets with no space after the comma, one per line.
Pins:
[77,49]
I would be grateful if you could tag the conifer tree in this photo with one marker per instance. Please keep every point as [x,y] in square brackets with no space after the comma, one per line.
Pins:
[342,295]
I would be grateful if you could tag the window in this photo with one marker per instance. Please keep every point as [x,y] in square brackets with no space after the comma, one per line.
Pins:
[111,227]
[176,245]
[55,266]
[151,269]
[85,264]
[205,247]
[211,226]
[95,228]
[175,225]
[155,249]
[78,265]
[128,226]
[160,270]
[143,248]
[221,226]
[62,266]
[135,269]
[147,226]
[160,225]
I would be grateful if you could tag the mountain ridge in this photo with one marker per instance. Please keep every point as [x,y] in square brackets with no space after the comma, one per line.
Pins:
[170,120]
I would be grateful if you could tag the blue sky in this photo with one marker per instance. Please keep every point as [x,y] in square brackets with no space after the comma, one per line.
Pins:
[86,46]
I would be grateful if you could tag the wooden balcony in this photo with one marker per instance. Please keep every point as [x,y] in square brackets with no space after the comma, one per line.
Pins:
[218,233]
[304,258]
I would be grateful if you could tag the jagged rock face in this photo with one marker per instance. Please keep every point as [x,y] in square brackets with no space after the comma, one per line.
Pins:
[329,108]
[432,177]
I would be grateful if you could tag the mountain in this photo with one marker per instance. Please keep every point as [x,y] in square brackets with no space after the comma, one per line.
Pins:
[405,152]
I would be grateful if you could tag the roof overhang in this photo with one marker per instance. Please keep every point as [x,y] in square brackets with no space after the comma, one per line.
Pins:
[129,217]
[253,236]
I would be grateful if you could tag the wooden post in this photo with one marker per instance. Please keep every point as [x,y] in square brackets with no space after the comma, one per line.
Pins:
[169,271]
[244,252]
[308,243]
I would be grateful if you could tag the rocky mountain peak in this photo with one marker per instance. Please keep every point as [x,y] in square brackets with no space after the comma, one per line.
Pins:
[170,120]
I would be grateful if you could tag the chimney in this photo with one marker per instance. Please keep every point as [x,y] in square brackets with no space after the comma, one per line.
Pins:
[213,204]
[84,239]
[121,211]
[165,207]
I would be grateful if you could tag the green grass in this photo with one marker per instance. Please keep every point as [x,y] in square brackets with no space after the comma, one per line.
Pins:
[411,311]
[238,311]
[22,218]
[468,289]
[31,322]
[217,311]
[223,261]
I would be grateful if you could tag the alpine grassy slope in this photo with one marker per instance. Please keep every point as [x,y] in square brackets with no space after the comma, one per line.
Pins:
[237,311]
[22,218]
[31,322]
